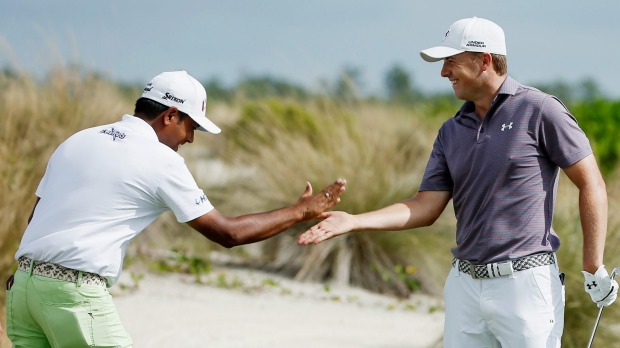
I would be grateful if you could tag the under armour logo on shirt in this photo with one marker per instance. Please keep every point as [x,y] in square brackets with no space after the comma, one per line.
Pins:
[504,126]
[590,286]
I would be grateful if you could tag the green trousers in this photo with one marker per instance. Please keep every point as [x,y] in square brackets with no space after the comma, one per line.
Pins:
[45,312]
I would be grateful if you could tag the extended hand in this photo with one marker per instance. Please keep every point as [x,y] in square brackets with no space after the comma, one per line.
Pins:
[313,205]
[335,224]
[602,288]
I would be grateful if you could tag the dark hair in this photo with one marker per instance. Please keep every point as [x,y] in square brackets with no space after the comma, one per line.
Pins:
[151,109]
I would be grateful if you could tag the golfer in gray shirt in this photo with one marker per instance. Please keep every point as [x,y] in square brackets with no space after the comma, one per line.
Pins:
[499,160]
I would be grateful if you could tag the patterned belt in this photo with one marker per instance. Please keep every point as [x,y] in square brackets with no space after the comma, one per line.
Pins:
[52,270]
[503,268]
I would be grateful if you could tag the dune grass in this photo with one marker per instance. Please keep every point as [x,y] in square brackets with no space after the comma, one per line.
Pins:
[37,117]
[380,151]
[581,312]
[261,161]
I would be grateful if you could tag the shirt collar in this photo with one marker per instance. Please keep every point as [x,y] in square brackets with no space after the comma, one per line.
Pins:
[139,125]
[508,87]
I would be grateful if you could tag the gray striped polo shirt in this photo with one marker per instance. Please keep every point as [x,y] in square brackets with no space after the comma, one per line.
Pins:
[503,172]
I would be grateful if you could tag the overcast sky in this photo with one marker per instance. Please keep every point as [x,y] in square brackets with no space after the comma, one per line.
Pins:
[305,41]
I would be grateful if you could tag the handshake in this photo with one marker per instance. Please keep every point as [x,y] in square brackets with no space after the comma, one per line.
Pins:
[601,287]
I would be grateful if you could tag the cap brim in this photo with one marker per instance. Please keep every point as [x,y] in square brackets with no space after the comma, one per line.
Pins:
[435,54]
[205,125]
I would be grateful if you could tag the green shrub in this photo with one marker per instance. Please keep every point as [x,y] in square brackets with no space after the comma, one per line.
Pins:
[600,120]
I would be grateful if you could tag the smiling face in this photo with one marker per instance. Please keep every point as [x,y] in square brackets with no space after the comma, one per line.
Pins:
[465,72]
[177,129]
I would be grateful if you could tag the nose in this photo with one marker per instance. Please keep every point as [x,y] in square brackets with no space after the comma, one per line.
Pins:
[190,137]
[444,70]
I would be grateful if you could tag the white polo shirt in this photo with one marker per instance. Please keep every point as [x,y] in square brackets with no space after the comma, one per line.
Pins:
[102,187]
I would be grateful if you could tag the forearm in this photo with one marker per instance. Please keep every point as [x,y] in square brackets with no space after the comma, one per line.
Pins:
[252,228]
[245,229]
[422,210]
[391,218]
[593,214]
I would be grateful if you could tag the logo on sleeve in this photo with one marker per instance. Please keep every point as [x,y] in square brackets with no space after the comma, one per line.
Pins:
[200,200]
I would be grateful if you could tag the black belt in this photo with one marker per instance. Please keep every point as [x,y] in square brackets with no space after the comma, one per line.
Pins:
[503,268]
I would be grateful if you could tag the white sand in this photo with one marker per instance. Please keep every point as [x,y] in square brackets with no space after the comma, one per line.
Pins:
[256,310]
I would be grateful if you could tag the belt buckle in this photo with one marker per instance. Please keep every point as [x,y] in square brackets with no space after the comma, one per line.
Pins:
[502,268]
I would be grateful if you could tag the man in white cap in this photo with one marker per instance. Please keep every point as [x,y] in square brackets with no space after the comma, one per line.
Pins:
[102,187]
[498,159]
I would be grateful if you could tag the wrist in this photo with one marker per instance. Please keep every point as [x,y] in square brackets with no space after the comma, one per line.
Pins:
[299,212]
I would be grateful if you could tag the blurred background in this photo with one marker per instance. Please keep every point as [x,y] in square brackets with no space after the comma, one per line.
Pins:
[304,90]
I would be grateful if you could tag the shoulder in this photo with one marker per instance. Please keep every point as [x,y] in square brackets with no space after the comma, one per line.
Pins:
[531,94]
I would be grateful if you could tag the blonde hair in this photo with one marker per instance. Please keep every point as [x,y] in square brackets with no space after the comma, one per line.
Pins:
[500,63]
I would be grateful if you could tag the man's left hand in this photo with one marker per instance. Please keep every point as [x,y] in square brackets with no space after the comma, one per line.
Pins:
[601,287]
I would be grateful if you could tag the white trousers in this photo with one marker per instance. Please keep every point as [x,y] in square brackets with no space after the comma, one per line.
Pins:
[526,311]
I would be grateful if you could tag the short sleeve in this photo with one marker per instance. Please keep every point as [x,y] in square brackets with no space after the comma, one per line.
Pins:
[180,192]
[437,174]
[563,140]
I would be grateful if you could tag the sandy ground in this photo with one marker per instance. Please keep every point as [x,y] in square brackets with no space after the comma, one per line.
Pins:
[235,308]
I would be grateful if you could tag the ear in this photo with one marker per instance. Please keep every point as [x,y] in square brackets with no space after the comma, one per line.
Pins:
[169,114]
[487,61]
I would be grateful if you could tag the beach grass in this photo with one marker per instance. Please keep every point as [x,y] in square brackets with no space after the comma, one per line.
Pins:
[268,150]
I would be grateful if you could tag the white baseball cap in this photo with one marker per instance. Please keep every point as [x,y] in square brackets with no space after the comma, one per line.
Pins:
[179,89]
[468,35]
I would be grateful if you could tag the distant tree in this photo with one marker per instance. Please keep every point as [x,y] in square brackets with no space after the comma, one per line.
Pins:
[348,85]
[216,91]
[561,89]
[585,90]
[399,86]
[588,90]
[600,120]
[266,86]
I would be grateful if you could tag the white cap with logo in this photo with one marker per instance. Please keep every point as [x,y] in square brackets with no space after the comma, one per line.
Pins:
[179,89]
[468,35]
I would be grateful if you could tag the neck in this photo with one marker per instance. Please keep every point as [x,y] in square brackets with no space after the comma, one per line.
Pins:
[483,103]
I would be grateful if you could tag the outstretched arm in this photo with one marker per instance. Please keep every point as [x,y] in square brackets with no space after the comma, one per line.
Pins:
[245,229]
[421,210]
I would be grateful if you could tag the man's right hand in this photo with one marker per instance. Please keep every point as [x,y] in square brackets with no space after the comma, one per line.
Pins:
[313,205]
[335,224]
